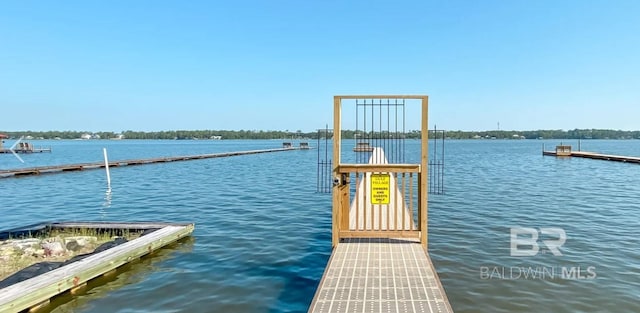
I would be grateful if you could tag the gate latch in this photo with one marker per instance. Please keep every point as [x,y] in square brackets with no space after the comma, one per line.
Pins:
[341,180]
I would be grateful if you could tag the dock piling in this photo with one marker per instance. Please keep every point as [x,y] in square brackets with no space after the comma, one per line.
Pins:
[106,168]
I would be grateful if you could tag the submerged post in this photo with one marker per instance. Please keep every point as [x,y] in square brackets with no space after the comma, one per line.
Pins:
[106,168]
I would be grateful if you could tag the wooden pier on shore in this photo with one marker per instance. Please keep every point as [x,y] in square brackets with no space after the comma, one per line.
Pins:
[96,165]
[380,260]
[565,151]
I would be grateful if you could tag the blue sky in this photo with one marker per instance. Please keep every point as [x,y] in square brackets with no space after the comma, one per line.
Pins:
[275,65]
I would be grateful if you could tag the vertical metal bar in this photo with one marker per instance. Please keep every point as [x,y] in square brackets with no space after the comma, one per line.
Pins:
[326,142]
[387,142]
[431,176]
[373,127]
[327,165]
[380,127]
[327,176]
[364,118]
[355,135]
[318,180]
[442,177]
[395,135]
[435,143]
[404,131]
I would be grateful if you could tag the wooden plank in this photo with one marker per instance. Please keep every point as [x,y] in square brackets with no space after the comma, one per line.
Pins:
[380,234]
[114,225]
[29,293]
[416,97]
[383,168]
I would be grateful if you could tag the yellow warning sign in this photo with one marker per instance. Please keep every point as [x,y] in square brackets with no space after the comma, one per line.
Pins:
[380,188]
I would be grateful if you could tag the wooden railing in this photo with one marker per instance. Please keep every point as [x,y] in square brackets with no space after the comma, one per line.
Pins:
[378,201]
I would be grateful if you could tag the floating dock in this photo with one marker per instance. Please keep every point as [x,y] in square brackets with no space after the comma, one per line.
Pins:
[96,165]
[362,147]
[37,291]
[565,151]
[24,147]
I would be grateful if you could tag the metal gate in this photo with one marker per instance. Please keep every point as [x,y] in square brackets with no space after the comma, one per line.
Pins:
[380,174]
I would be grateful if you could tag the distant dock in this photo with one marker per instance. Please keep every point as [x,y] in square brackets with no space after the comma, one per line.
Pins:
[24,147]
[565,151]
[96,165]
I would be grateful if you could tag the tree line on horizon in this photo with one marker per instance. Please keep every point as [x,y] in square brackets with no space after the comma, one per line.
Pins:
[346,134]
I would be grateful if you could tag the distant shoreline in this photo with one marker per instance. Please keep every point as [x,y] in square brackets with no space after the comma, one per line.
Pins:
[346,134]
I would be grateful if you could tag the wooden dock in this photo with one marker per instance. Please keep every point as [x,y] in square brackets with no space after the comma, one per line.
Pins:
[37,291]
[96,165]
[380,261]
[597,156]
[369,274]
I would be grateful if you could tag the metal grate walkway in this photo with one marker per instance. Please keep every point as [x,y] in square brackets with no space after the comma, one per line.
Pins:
[379,275]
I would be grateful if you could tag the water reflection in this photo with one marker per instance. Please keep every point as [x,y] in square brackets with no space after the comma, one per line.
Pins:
[106,204]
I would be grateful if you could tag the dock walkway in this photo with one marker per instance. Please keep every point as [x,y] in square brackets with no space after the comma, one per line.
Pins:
[96,165]
[381,275]
[597,156]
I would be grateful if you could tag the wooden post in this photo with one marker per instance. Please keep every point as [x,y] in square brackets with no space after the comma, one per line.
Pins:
[344,207]
[423,178]
[337,201]
[345,202]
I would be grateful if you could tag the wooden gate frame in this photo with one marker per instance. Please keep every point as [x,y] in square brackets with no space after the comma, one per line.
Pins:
[340,190]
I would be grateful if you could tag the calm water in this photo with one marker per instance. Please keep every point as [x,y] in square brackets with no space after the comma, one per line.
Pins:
[262,235]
